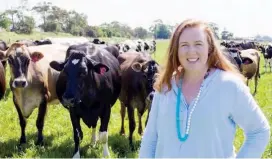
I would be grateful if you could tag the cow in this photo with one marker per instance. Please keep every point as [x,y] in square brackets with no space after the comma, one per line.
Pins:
[234,54]
[97,41]
[43,42]
[2,81]
[138,73]
[150,46]
[251,65]
[33,82]
[267,54]
[3,48]
[128,46]
[88,86]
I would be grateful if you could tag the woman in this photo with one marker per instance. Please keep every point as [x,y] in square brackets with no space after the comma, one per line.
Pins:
[200,98]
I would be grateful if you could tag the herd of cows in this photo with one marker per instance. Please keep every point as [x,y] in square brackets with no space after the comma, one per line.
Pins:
[247,55]
[87,77]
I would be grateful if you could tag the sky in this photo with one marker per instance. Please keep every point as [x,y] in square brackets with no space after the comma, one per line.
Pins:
[245,18]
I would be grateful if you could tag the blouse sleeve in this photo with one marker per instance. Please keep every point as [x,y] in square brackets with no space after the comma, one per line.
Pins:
[149,139]
[248,115]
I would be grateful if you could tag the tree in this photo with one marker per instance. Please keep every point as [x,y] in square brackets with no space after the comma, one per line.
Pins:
[43,9]
[226,35]
[140,32]
[215,29]
[12,13]
[154,26]
[5,22]
[162,32]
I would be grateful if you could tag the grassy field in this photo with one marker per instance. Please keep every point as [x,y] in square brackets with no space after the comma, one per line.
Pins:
[58,134]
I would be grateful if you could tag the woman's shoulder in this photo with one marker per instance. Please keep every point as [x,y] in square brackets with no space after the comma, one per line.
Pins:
[229,79]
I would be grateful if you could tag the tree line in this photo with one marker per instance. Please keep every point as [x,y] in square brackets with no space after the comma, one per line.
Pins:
[56,19]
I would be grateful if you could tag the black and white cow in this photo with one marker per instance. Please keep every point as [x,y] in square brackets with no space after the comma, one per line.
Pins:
[138,46]
[234,55]
[88,86]
[98,41]
[267,54]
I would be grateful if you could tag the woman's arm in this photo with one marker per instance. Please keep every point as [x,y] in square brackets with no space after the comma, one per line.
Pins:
[149,139]
[248,115]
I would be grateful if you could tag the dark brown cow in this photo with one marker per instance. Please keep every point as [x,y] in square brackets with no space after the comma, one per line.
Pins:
[33,82]
[2,81]
[137,71]
[3,47]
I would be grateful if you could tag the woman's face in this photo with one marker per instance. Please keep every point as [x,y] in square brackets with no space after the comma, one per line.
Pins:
[193,49]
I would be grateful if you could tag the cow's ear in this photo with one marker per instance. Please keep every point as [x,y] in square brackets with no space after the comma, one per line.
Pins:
[100,68]
[97,66]
[36,56]
[58,66]
[137,67]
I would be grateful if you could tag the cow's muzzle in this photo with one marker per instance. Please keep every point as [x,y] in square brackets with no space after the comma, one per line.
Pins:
[70,101]
[19,83]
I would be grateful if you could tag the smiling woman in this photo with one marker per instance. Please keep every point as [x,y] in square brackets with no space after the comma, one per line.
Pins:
[201,118]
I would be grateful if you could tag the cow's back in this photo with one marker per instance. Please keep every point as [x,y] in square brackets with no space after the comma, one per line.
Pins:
[50,76]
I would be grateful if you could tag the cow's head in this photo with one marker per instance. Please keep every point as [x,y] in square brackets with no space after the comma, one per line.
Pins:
[78,69]
[148,70]
[19,58]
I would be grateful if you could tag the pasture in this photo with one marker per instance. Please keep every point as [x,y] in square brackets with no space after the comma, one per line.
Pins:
[58,134]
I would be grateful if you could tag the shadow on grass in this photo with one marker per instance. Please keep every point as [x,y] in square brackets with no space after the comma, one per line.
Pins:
[120,146]
[11,149]
[117,143]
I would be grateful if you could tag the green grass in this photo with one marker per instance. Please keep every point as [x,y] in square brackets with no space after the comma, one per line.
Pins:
[58,134]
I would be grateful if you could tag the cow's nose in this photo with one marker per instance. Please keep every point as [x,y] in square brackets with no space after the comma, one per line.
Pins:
[67,101]
[20,83]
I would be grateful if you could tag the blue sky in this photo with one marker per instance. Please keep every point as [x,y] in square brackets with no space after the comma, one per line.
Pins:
[242,17]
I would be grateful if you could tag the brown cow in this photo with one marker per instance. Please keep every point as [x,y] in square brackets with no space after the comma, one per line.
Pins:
[137,72]
[251,65]
[3,47]
[33,82]
[2,81]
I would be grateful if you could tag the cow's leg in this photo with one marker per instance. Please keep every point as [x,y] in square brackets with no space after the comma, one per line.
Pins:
[247,81]
[103,132]
[40,121]
[265,64]
[22,123]
[131,122]
[256,84]
[78,135]
[270,63]
[140,128]
[140,114]
[123,114]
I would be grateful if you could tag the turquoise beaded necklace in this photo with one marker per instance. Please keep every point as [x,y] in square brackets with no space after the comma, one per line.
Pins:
[188,122]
